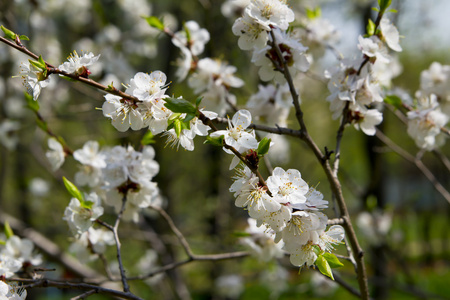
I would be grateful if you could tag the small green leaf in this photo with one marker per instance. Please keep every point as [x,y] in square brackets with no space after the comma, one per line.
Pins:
[73,190]
[8,33]
[384,4]
[37,64]
[394,11]
[148,138]
[180,105]
[189,117]
[215,141]
[24,38]
[370,28]
[393,100]
[42,124]
[42,62]
[31,103]
[241,234]
[87,204]
[263,146]
[332,260]
[375,9]
[110,87]
[314,13]
[2,243]
[177,126]
[8,231]
[323,266]
[155,22]
[188,33]
[198,101]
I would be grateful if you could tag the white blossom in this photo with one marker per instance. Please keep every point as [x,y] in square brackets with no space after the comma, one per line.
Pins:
[81,216]
[198,37]
[77,65]
[56,154]
[33,80]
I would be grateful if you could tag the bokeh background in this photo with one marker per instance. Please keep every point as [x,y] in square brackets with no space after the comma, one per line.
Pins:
[402,222]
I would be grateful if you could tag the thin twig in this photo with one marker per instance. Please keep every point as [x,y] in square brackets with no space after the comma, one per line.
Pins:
[444,159]
[33,283]
[85,295]
[417,162]
[175,230]
[114,230]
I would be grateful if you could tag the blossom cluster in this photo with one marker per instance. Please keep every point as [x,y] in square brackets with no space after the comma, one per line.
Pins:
[356,85]
[431,109]
[210,78]
[16,255]
[286,207]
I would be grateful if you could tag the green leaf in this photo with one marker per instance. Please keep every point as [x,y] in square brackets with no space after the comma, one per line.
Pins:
[323,266]
[375,9]
[313,13]
[393,100]
[37,64]
[188,33]
[42,62]
[215,141]
[263,146]
[73,190]
[110,87]
[384,4]
[180,105]
[148,138]
[24,38]
[370,28]
[177,126]
[241,234]
[188,118]
[31,103]
[42,124]
[8,33]
[155,22]
[198,101]
[8,231]
[2,243]
[332,260]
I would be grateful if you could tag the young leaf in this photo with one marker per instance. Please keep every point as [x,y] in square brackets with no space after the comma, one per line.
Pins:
[323,266]
[216,141]
[188,118]
[370,28]
[180,105]
[31,103]
[8,231]
[73,190]
[24,38]
[198,101]
[332,260]
[41,124]
[148,138]
[241,234]
[263,146]
[155,22]
[393,100]
[177,126]
[8,33]
[384,4]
